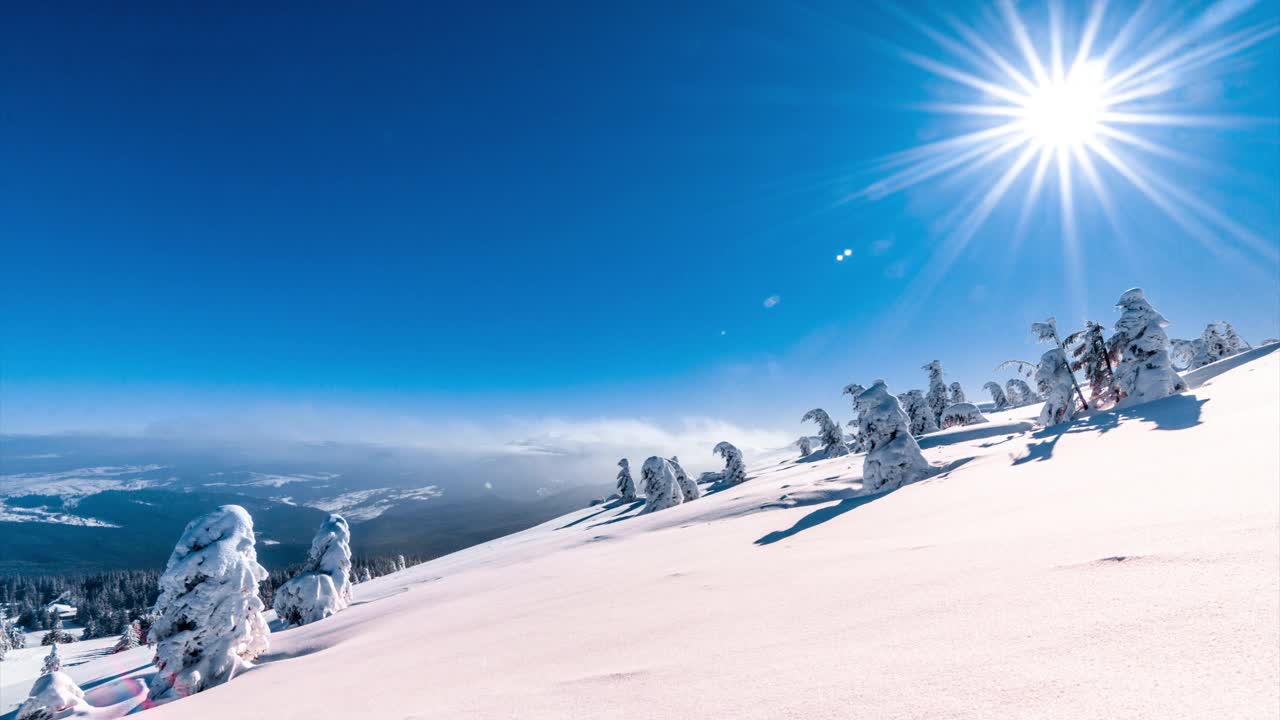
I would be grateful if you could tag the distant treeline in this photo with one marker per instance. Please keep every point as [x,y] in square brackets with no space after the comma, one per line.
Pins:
[108,601]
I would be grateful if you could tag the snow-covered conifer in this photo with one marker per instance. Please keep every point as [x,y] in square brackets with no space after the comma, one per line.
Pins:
[130,638]
[893,457]
[1054,380]
[5,644]
[364,574]
[998,398]
[828,432]
[1145,372]
[626,486]
[854,390]
[1020,393]
[209,622]
[805,445]
[1088,349]
[57,635]
[688,488]
[400,564]
[1235,343]
[937,395]
[962,414]
[52,661]
[957,394]
[735,470]
[17,636]
[661,489]
[54,696]
[323,588]
[918,412]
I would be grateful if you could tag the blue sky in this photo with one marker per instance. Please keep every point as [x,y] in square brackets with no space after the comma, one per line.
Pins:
[567,210]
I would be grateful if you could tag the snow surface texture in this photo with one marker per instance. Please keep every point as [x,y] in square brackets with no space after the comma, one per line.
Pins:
[1083,571]
[209,622]
[323,587]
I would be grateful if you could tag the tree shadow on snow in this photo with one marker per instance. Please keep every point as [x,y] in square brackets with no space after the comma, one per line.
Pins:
[820,516]
[104,680]
[607,507]
[1176,412]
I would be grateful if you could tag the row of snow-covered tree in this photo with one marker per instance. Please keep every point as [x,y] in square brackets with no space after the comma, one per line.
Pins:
[207,622]
[664,483]
[1132,366]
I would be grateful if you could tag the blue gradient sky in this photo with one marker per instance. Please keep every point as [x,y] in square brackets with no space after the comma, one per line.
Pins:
[530,210]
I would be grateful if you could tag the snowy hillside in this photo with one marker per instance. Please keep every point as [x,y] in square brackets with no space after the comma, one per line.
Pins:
[1123,565]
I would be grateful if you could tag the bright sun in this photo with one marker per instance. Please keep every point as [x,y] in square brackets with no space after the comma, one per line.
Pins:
[1066,112]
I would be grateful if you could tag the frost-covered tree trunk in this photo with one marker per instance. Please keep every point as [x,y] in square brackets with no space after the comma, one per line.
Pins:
[1054,380]
[323,587]
[735,470]
[54,696]
[918,412]
[1089,353]
[1145,372]
[661,489]
[998,398]
[937,395]
[805,445]
[626,486]
[828,432]
[209,622]
[893,458]
[957,394]
[962,414]
[688,488]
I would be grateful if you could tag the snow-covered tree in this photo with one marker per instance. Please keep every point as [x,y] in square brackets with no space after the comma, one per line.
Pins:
[52,661]
[54,696]
[957,394]
[893,457]
[209,622]
[1235,343]
[1020,393]
[828,432]
[323,587]
[5,644]
[997,396]
[688,488]
[918,412]
[130,637]
[1145,372]
[17,635]
[937,395]
[400,564]
[626,486]
[805,445]
[735,470]
[365,576]
[1089,353]
[1054,380]
[962,414]
[1047,331]
[854,391]
[57,635]
[661,489]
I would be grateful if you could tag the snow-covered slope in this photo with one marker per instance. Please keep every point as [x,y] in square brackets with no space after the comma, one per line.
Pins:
[1126,565]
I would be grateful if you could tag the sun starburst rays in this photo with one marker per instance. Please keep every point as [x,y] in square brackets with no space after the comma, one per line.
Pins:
[1076,108]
